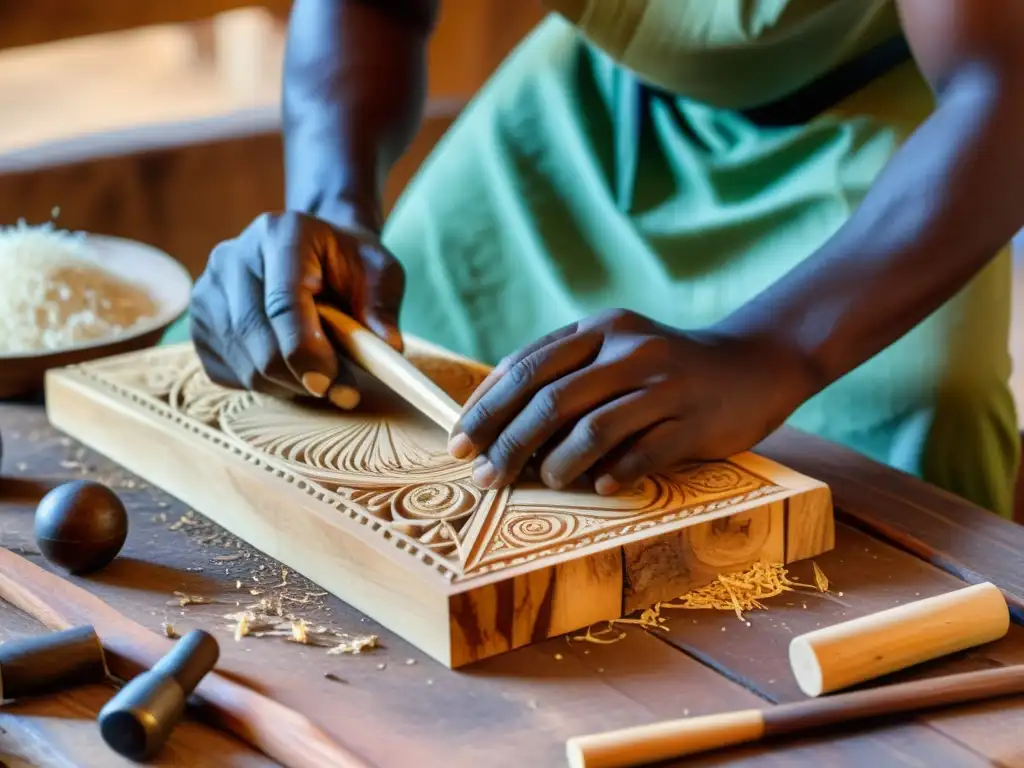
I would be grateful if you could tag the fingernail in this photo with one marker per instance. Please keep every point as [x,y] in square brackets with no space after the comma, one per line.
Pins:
[461,447]
[316,383]
[606,485]
[483,473]
[344,397]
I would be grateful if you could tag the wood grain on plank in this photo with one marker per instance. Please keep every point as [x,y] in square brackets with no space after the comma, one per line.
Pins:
[534,606]
[511,710]
[971,543]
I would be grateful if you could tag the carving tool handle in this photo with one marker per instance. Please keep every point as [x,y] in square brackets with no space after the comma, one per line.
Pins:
[279,732]
[42,664]
[680,738]
[839,656]
[392,368]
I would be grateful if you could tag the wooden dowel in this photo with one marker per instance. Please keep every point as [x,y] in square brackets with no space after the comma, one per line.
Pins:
[279,732]
[681,738]
[392,368]
[836,657]
[663,741]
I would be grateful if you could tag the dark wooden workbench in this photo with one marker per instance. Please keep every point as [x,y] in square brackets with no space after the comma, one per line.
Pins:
[898,540]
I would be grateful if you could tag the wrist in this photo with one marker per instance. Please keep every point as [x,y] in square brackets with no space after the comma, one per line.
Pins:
[350,214]
[790,373]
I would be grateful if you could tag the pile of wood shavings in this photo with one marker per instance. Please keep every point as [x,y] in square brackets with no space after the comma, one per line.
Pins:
[737,592]
[57,292]
[287,606]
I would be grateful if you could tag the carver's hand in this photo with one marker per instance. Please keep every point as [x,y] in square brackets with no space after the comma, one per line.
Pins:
[618,397]
[254,320]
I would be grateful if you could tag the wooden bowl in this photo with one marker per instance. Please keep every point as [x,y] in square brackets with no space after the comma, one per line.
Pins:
[167,281]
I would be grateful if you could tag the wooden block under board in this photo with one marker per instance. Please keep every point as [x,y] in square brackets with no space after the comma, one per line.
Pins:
[370,505]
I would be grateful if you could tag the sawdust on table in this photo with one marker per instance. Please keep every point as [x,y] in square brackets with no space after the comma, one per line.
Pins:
[736,592]
[270,601]
[289,607]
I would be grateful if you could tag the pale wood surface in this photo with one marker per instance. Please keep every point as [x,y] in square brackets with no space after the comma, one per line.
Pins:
[518,708]
[369,503]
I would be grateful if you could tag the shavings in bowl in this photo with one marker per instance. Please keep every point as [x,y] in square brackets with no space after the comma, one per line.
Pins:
[56,294]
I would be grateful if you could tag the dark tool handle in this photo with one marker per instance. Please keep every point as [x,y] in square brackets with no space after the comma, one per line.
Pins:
[191,658]
[56,661]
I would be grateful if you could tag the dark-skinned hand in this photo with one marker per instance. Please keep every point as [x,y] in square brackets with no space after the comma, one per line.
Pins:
[617,397]
[253,312]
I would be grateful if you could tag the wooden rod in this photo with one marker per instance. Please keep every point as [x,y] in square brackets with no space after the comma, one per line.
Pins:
[836,657]
[392,368]
[279,732]
[681,738]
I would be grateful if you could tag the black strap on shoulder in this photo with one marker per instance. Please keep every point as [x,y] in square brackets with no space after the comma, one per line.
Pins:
[834,86]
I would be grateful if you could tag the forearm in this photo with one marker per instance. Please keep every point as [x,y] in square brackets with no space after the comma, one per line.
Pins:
[354,88]
[942,208]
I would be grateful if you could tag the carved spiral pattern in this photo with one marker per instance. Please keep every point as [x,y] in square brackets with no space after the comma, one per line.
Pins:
[715,478]
[530,530]
[434,501]
[435,514]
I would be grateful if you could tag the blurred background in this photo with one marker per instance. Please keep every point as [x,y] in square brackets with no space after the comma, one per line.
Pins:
[158,120]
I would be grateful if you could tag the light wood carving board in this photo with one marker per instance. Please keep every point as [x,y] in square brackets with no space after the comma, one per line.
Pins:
[371,506]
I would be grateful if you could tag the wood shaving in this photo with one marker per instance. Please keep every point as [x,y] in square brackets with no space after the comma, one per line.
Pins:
[299,634]
[355,646]
[820,578]
[226,558]
[183,599]
[601,637]
[242,628]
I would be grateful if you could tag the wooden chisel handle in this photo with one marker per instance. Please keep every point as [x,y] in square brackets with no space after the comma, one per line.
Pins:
[392,368]
[680,738]
[274,729]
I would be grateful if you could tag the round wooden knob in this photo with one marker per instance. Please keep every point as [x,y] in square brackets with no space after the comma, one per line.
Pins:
[81,526]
